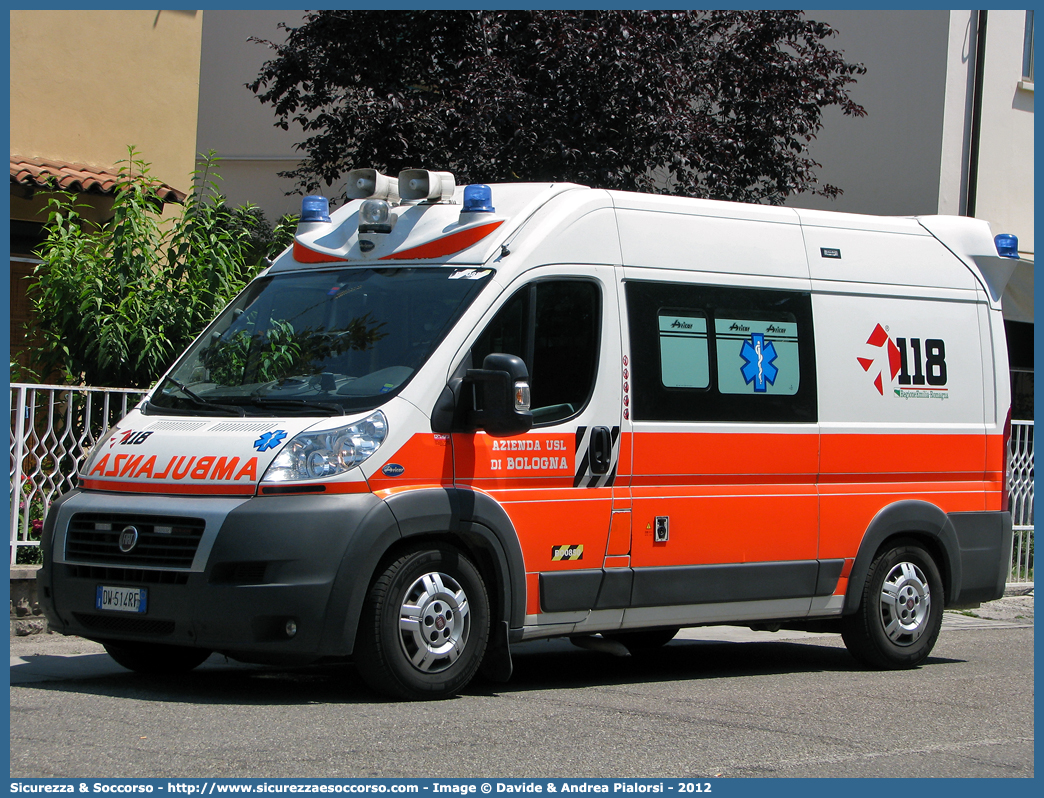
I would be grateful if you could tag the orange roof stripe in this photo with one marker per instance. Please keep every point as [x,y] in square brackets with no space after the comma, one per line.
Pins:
[447,245]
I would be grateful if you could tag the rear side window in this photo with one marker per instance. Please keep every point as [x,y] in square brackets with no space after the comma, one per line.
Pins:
[757,355]
[708,353]
[684,353]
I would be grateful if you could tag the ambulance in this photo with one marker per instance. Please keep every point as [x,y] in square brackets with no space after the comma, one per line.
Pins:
[449,419]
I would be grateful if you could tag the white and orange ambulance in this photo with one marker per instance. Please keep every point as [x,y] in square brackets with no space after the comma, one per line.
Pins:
[449,419]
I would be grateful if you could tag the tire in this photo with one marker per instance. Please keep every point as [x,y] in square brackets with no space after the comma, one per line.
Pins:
[156,659]
[643,641]
[901,610]
[424,626]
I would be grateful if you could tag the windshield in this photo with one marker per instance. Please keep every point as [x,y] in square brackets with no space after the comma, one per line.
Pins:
[315,343]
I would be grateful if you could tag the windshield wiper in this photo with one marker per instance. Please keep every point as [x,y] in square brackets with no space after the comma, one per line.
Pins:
[331,408]
[199,401]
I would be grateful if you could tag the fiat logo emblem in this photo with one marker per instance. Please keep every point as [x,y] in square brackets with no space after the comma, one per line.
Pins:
[128,538]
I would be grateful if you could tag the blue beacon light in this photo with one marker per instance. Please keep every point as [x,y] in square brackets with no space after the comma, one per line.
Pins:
[315,209]
[1007,245]
[478,199]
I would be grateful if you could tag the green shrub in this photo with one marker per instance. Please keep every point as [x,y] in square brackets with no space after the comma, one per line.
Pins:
[115,305]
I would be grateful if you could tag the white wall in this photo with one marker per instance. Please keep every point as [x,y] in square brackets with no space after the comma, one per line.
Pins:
[1005,174]
[233,122]
[888,162]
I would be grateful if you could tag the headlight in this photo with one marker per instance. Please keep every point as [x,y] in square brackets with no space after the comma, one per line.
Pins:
[314,455]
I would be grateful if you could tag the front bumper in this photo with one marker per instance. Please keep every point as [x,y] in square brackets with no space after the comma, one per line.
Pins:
[258,563]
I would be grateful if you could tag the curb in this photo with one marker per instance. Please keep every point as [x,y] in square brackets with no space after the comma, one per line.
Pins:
[26,616]
[1018,589]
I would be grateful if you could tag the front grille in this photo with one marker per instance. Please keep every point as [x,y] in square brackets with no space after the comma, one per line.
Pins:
[117,623]
[132,575]
[163,541]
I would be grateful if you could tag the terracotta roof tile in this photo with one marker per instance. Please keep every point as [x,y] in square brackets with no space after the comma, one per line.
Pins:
[39,172]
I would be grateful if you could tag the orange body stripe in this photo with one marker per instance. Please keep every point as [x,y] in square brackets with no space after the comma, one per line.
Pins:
[696,456]
[532,594]
[619,535]
[945,456]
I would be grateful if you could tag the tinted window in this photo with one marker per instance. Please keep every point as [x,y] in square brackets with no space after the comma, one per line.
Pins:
[344,340]
[553,326]
[684,349]
[708,353]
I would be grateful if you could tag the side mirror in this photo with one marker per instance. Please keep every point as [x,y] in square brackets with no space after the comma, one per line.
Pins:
[494,398]
[500,395]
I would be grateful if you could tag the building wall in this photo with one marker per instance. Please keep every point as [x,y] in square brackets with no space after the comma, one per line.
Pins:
[1004,194]
[958,112]
[888,162]
[910,154]
[232,121]
[86,84]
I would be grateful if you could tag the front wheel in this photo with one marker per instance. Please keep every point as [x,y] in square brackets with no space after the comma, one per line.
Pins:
[156,659]
[900,614]
[424,626]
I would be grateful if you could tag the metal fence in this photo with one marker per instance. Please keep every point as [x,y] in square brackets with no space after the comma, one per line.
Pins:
[53,427]
[1020,488]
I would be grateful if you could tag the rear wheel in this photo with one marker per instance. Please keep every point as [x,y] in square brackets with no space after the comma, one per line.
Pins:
[900,614]
[156,659]
[644,640]
[424,626]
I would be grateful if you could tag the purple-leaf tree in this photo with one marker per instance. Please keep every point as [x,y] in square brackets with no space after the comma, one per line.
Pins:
[718,104]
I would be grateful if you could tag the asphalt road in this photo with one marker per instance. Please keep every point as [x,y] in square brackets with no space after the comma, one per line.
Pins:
[721,702]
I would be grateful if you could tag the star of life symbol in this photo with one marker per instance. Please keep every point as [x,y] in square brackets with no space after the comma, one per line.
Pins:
[759,355]
[270,440]
[879,338]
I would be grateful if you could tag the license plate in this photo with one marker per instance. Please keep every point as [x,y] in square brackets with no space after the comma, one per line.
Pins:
[121,599]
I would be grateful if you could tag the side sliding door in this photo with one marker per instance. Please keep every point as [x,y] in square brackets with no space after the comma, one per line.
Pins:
[725,454]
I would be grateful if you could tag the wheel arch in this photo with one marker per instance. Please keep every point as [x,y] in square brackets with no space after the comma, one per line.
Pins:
[472,521]
[919,521]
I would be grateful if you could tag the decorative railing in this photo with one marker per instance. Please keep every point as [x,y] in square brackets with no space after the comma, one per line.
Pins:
[53,428]
[1020,490]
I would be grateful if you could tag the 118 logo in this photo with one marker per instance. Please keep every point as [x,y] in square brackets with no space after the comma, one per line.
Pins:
[914,363]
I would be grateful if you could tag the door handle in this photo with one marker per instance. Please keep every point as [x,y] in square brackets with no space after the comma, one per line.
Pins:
[601,450]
